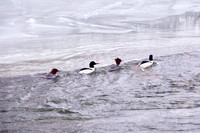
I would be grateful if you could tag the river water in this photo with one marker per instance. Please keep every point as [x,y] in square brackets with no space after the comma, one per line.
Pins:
[38,36]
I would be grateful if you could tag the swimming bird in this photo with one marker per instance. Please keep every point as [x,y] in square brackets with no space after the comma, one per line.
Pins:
[89,70]
[52,74]
[146,64]
[114,67]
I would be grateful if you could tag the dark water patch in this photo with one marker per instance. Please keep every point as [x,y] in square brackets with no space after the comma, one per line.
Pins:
[9,131]
[179,104]
[60,111]
[43,110]
[147,96]
[76,119]
[178,86]
[47,118]
[62,118]
[197,77]
[167,92]
[58,101]
[86,103]
[65,111]
[3,111]
[103,99]
[153,96]
[105,95]
[196,105]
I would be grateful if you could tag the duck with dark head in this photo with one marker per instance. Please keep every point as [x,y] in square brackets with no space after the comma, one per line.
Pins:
[147,64]
[89,70]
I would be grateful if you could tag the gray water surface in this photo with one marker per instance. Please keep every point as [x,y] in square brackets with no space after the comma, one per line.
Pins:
[162,98]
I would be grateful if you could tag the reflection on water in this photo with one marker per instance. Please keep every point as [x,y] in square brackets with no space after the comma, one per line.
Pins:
[164,97]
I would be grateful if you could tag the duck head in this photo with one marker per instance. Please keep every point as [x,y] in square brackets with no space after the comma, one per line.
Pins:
[118,61]
[54,71]
[150,57]
[92,63]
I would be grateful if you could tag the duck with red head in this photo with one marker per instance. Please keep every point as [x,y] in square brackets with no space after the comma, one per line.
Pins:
[52,74]
[114,67]
[89,70]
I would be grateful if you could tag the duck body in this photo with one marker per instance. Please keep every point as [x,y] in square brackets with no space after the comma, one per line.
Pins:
[147,64]
[114,67]
[50,76]
[89,70]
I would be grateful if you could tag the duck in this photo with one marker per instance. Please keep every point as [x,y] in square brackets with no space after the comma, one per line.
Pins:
[114,67]
[52,74]
[89,70]
[147,64]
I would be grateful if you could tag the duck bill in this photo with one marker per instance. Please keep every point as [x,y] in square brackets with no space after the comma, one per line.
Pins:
[97,63]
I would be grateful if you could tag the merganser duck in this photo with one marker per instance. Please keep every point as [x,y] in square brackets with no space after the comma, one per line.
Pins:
[146,64]
[114,67]
[88,70]
[52,74]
